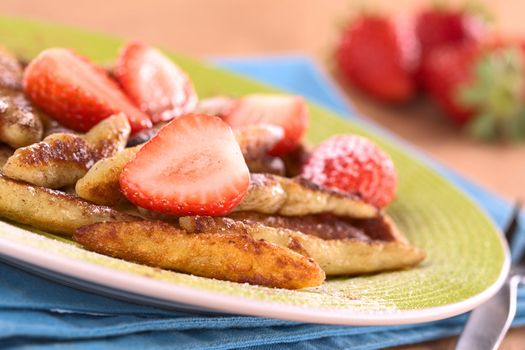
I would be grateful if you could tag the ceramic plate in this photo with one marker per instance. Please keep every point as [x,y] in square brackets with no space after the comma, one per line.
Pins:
[467,258]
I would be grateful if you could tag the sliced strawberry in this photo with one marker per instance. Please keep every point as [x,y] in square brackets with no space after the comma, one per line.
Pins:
[193,166]
[355,165]
[75,92]
[158,86]
[220,106]
[287,111]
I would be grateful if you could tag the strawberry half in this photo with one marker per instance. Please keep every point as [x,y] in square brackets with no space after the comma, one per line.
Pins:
[75,92]
[156,85]
[193,166]
[220,106]
[353,164]
[287,111]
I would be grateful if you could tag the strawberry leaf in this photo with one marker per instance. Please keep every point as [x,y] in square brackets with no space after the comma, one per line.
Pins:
[483,127]
[496,92]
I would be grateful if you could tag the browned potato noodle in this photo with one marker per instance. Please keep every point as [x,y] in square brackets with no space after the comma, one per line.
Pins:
[61,159]
[101,183]
[20,123]
[293,197]
[236,258]
[335,256]
[51,210]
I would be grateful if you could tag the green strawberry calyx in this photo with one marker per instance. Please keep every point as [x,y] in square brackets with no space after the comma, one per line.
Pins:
[497,93]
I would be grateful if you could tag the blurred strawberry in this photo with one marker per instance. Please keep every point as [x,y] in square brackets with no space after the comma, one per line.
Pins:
[482,87]
[437,27]
[379,55]
[355,165]
[448,69]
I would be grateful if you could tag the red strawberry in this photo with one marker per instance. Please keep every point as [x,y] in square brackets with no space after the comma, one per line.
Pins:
[220,106]
[287,111]
[193,166]
[482,87]
[158,86]
[355,165]
[75,92]
[436,27]
[379,56]
[446,70]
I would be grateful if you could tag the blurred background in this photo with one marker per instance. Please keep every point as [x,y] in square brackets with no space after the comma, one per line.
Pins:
[207,29]
[242,28]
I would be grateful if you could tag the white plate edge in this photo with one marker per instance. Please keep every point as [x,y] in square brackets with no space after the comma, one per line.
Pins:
[215,301]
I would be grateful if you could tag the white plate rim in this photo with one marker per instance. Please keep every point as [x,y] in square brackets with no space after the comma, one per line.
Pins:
[144,286]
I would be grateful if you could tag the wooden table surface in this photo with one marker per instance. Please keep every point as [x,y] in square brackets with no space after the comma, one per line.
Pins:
[205,28]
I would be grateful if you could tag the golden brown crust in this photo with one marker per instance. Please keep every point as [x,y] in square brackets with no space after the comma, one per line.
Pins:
[265,195]
[323,226]
[236,258]
[348,256]
[101,183]
[108,137]
[61,158]
[50,210]
[20,123]
[305,197]
[10,70]
[273,194]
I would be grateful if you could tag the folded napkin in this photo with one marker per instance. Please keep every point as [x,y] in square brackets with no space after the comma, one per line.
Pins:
[37,313]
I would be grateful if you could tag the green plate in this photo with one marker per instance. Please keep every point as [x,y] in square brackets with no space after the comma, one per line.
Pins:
[467,258]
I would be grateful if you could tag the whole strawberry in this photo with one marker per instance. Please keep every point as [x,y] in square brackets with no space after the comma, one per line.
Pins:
[437,27]
[379,55]
[481,87]
[353,164]
[447,70]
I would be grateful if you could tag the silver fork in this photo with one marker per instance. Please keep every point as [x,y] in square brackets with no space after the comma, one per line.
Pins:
[488,323]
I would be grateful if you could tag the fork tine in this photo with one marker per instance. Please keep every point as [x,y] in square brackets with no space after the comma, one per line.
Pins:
[512,225]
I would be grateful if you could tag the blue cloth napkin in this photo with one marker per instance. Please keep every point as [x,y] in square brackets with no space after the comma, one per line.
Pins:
[38,314]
